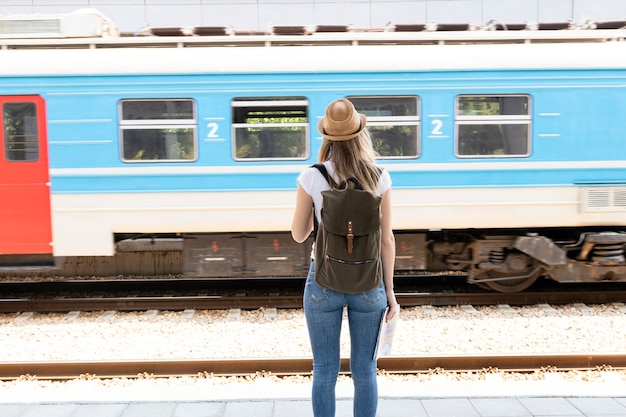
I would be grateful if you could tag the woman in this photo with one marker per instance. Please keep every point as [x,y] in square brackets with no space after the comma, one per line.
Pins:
[346,152]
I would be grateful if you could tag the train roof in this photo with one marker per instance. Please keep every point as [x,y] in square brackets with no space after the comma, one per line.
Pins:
[92,45]
[307,59]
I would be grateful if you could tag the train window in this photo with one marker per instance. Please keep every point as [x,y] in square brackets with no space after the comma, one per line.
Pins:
[270,128]
[158,130]
[21,141]
[394,123]
[493,126]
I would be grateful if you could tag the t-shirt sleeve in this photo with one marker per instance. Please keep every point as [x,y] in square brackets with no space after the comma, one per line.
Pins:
[306,180]
[384,182]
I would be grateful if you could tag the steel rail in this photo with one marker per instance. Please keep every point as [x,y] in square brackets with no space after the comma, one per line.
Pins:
[303,366]
[56,305]
[217,302]
[146,284]
[598,296]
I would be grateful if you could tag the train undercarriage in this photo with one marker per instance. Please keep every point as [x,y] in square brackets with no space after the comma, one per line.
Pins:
[497,260]
[503,261]
[513,262]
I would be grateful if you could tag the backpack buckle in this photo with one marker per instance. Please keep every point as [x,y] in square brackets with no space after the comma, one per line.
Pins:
[350,237]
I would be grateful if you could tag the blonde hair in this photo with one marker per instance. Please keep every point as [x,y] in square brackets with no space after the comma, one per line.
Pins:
[353,158]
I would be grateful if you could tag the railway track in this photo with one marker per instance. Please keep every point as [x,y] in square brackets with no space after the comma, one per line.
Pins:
[303,366]
[59,295]
[251,302]
[284,293]
[287,294]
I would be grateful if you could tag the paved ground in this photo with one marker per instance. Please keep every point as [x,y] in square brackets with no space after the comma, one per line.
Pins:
[193,397]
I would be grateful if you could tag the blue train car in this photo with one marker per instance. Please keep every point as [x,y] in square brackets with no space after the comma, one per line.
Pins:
[505,147]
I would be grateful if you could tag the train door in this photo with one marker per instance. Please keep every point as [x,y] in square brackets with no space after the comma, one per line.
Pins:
[25,218]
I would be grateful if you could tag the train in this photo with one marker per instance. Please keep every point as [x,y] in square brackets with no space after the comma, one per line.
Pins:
[506,145]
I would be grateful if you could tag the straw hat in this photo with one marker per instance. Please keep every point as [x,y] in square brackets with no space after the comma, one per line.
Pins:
[342,122]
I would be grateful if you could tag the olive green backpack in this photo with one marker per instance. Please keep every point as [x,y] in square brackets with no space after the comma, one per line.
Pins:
[347,240]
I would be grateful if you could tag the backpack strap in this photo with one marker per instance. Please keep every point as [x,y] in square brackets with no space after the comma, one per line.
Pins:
[333,185]
[322,169]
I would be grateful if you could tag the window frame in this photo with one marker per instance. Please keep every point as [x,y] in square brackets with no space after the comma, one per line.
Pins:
[264,102]
[30,139]
[512,119]
[158,124]
[396,121]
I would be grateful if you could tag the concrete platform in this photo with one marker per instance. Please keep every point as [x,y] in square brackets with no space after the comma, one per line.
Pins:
[272,397]
[388,407]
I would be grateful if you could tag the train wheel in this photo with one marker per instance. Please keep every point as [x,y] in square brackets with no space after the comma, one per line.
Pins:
[506,285]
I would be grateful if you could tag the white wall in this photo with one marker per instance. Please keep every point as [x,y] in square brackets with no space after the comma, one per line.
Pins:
[131,15]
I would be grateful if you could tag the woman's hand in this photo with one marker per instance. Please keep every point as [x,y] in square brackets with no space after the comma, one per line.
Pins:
[394,307]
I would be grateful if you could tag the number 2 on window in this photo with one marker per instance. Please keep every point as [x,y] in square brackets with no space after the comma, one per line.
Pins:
[437,125]
[212,130]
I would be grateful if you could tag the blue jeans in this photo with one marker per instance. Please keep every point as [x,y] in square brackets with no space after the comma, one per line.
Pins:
[323,310]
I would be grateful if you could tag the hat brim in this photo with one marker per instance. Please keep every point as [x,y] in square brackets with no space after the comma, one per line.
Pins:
[320,128]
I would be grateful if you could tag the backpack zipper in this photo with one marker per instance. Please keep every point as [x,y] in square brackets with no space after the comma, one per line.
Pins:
[343,261]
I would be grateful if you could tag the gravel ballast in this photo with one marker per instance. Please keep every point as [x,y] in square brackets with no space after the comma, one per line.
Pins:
[266,333]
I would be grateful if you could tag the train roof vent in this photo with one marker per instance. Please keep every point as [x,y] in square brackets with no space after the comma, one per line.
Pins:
[290,30]
[213,31]
[431,27]
[408,27]
[555,26]
[168,31]
[454,27]
[332,28]
[615,24]
[83,23]
[497,25]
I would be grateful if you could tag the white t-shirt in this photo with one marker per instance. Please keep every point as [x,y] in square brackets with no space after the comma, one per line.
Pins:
[313,183]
